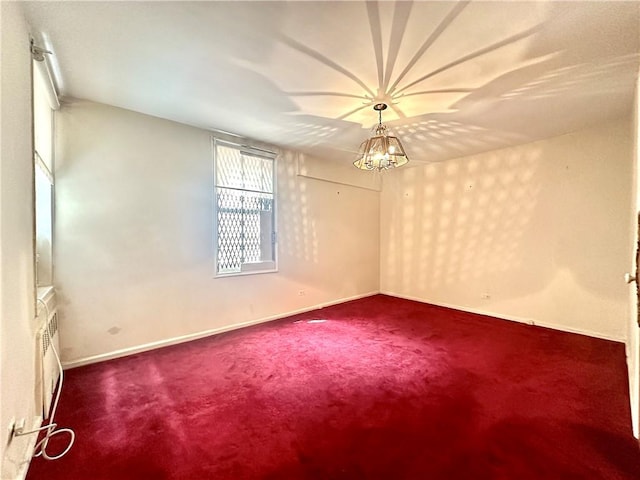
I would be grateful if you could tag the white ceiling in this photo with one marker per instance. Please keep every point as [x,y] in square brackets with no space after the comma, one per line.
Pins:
[461,77]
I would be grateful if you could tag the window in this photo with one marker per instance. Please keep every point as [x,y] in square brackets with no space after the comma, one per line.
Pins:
[245,239]
[43,129]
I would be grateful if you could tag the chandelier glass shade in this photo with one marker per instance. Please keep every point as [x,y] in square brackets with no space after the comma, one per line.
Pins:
[381,151]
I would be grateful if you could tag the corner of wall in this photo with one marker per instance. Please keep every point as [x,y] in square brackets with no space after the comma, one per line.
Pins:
[17,281]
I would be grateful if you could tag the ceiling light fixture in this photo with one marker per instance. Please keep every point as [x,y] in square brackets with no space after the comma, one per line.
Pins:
[381,151]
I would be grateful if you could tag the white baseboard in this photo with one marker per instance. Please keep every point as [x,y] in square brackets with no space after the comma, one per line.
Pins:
[206,333]
[214,331]
[528,321]
[633,370]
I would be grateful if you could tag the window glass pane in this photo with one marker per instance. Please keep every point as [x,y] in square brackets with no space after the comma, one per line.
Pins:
[240,169]
[44,227]
[42,120]
[258,173]
[245,208]
[245,226]
[228,167]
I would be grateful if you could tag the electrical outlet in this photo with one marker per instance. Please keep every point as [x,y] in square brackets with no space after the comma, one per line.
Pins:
[19,426]
[15,427]
[301,293]
[485,296]
[12,427]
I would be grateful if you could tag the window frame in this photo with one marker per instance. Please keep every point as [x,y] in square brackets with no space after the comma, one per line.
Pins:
[258,152]
[39,164]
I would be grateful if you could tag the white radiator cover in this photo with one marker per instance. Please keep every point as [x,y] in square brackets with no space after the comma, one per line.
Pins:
[47,339]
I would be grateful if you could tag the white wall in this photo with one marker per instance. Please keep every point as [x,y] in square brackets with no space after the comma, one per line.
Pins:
[633,343]
[541,229]
[17,310]
[134,253]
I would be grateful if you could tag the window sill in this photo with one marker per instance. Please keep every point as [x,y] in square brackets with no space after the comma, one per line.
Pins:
[239,274]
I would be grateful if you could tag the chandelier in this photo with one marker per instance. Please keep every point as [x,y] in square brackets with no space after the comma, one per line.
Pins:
[381,151]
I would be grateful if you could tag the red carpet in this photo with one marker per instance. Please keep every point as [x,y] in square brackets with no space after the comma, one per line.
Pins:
[379,388]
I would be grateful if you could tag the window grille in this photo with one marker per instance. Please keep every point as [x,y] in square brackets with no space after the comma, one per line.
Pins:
[245,209]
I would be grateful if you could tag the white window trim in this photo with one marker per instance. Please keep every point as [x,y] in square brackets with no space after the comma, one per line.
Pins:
[246,269]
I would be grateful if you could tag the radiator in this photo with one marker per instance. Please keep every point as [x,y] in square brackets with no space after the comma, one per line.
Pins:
[47,364]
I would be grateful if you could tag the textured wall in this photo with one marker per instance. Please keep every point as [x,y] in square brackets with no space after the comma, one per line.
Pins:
[134,253]
[633,343]
[537,232]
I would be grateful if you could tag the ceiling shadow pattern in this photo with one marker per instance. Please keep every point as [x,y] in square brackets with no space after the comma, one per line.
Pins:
[305,75]
[531,66]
